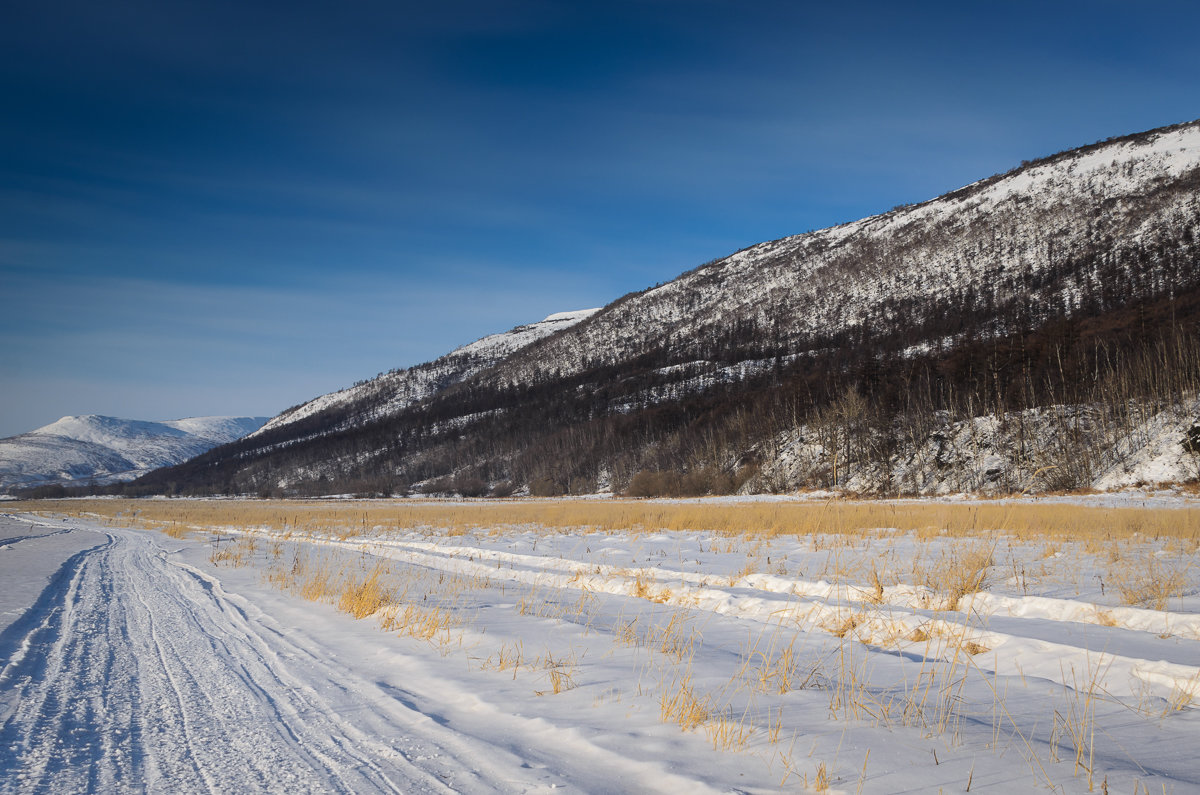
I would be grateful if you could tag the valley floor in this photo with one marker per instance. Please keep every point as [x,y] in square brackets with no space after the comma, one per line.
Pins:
[141,655]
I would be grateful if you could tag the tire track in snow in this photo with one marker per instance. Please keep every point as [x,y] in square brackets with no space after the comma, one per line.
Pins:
[523,752]
[141,676]
[42,732]
[303,720]
[6,543]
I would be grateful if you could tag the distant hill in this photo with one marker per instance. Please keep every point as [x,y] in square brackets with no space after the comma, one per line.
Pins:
[78,450]
[1035,330]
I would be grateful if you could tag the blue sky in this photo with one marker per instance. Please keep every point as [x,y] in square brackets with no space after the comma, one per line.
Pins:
[232,207]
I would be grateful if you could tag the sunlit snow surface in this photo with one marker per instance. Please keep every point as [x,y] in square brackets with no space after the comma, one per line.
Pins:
[132,660]
[402,388]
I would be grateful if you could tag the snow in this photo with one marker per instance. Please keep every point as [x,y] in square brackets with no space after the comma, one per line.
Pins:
[1155,454]
[829,280]
[79,449]
[402,388]
[1014,452]
[572,317]
[499,345]
[563,651]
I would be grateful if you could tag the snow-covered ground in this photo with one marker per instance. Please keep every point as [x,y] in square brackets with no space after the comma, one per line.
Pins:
[527,659]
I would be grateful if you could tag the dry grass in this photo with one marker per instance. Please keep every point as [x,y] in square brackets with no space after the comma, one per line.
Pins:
[361,598]
[821,779]
[772,671]
[316,583]
[508,658]
[1183,696]
[1025,521]
[1150,582]
[643,589]
[432,624]
[176,530]
[1076,723]
[377,591]
[561,673]
[843,623]
[232,552]
[958,572]
[680,705]
[678,639]
[729,733]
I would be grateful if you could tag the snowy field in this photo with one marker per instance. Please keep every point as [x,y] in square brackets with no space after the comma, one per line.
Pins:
[141,653]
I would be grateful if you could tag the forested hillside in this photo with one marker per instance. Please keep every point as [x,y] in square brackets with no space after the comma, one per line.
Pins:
[1034,330]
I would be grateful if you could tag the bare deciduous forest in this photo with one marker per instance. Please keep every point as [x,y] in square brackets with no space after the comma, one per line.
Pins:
[1055,309]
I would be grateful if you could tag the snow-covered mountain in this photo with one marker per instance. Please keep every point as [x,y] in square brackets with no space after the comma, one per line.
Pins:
[1024,236]
[93,448]
[1072,280]
[398,389]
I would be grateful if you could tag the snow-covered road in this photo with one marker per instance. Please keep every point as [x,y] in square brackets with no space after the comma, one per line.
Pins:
[136,672]
[130,670]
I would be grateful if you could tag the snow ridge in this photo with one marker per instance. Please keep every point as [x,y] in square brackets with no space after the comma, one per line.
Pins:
[395,390]
[833,279]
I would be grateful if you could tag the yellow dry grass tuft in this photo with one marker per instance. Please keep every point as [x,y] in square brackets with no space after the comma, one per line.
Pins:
[775,672]
[958,572]
[843,624]
[176,530]
[235,553]
[361,598]
[422,623]
[679,704]
[728,733]
[678,639]
[560,672]
[508,658]
[316,583]
[1151,582]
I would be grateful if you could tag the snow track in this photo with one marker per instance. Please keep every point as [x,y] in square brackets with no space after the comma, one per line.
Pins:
[139,674]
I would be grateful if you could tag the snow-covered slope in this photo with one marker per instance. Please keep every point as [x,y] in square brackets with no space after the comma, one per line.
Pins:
[90,447]
[1014,235]
[397,389]
[961,305]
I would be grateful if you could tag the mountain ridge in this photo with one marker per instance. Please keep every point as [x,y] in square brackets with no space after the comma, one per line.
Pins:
[399,388]
[79,449]
[993,296]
